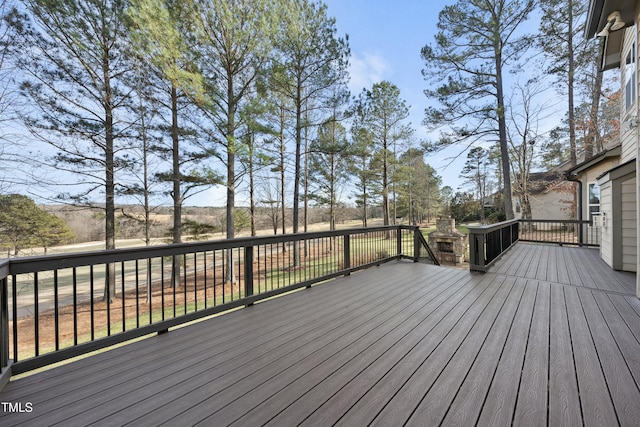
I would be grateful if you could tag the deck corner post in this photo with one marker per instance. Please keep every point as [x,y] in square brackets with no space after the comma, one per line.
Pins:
[4,324]
[346,254]
[477,259]
[248,272]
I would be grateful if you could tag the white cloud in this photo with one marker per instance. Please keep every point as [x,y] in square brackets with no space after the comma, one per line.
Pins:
[365,70]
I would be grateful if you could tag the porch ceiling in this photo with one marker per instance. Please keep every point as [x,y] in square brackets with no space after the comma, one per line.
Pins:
[599,10]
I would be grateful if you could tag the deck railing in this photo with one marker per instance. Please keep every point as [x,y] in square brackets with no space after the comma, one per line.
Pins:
[53,307]
[487,243]
[561,232]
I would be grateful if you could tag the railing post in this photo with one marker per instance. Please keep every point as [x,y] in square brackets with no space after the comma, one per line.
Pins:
[346,254]
[5,369]
[416,244]
[481,241]
[248,272]
[477,255]
[399,241]
[4,324]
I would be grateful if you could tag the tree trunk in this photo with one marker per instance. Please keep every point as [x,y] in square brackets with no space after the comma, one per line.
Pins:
[365,214]
[231,175]
[110,218]
[570,87]
[504,147]
[177,192]
[592,134]
[385,185]
[296,180]
[306,187]
[252,197]
[282,185]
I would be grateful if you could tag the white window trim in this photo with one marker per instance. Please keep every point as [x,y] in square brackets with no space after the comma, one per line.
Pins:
[632,108]
[589,204]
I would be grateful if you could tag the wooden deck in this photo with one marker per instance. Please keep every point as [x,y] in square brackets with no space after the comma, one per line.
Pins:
[551,336]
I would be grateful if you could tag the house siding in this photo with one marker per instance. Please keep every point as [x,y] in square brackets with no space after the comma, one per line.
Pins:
[606,244]
[629,228]
[590,176]
[551,205]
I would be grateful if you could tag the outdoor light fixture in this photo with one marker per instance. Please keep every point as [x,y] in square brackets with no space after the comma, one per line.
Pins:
[614,23]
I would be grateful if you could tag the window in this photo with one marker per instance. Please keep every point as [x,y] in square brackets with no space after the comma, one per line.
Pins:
[630,78]
[594,200]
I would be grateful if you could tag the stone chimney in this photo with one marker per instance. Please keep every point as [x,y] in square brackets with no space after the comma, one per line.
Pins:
[446,225]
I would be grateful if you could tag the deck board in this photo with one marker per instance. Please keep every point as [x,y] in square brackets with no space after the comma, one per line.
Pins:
[475,322]
[379,393]
[532,402]
[438,399]
[624,393]
[468,402]
[564,403]
[597,406]
[317,387]
[549,336]
[500,400]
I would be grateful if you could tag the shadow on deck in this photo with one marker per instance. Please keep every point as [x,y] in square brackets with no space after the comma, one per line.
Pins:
[550,336]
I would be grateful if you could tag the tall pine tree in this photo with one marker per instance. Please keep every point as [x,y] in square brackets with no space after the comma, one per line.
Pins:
[476,42]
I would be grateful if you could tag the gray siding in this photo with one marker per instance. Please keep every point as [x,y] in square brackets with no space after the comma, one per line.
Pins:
[629,229]
[606,246]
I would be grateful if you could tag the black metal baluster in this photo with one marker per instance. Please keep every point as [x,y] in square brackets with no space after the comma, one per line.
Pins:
[36,315]
[92,308]
[122,296]
[75,306]
[56,309]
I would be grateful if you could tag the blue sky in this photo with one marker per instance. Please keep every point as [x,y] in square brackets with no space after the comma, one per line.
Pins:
[385,39]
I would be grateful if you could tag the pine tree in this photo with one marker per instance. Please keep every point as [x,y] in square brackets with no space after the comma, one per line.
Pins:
[384,114]
[23,224]
[360,157]
[75,62]
[475,44]
[476,173]
[310,61]
[562,41]
[329,165]
[235,42]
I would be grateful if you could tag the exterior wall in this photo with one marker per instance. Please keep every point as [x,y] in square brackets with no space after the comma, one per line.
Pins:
[629,227]
[551,205]
[606,243]
[591,175]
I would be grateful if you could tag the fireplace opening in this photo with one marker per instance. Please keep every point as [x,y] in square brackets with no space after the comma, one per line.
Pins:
[445,247]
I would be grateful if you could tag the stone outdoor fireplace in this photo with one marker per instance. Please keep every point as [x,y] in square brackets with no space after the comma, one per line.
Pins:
[449,245]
